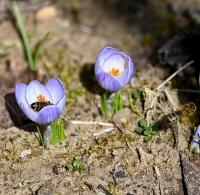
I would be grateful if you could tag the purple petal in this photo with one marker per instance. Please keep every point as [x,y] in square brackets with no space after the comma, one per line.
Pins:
[108,59]
[199,79]
[29,112]
[131,68]
[20,91]
[116,60]
[126,76]
[48,114]
[56,89]
[61,103]
[196,141]
[34,89]
[108,82]
[102,56]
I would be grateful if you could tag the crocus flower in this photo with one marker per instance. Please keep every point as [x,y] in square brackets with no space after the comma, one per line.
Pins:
[196,140]
[113,69]
[42,104]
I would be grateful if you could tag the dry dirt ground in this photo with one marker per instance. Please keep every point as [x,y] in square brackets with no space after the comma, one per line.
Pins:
[115,162]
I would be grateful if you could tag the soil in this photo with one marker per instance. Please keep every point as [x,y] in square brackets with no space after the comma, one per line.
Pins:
[118,161]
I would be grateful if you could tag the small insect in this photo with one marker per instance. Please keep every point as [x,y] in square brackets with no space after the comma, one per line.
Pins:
[182,115]
[37,106]
[41,103]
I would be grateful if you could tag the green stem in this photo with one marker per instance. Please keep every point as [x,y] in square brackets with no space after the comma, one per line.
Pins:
[104,105]
[40,136]
[186,90]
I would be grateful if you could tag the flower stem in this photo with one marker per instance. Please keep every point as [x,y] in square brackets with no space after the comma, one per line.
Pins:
[47,134]
[111,102]
[117,102]
[104,105]
[40,136]
[106,102]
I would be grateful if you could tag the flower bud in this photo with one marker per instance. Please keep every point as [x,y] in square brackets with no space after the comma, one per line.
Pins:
[113,69]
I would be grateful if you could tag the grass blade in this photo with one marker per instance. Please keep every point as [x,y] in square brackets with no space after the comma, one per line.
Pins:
[54,133]
[38,48]
[23,35]
[6,48]
[186,90]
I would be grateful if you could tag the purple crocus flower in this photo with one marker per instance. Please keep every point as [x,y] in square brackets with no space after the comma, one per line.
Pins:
[113,69]
[196,140]
[42,104]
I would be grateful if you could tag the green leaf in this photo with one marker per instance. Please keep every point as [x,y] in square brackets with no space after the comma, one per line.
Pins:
[137,137]
[76,163]
[81,167]
[104,105]
[154,126]
[130,101]
[160,101]
[6,48]
[70,167]
[143,123]
[38,48]
[139,130]
[75,169]
[190,148]
[61,132]
[77,158]
[154,132]
[136,95]
[120,106]
[147,132]
[147,128]
[115,104]
[57,131]
[147,138]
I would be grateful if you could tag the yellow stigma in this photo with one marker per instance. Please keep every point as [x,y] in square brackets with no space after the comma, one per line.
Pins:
[115,72]
[41,98]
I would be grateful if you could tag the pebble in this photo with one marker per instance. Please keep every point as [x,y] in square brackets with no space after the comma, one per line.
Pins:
[57,169]
[46,13]
[24,153]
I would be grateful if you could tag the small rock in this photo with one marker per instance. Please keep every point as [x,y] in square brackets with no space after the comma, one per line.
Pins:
[24,154]
[46,189]
[120,174]
[46,13]
[57,169]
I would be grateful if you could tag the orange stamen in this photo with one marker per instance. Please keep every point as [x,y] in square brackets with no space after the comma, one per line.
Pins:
[41,98]
[115,72]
